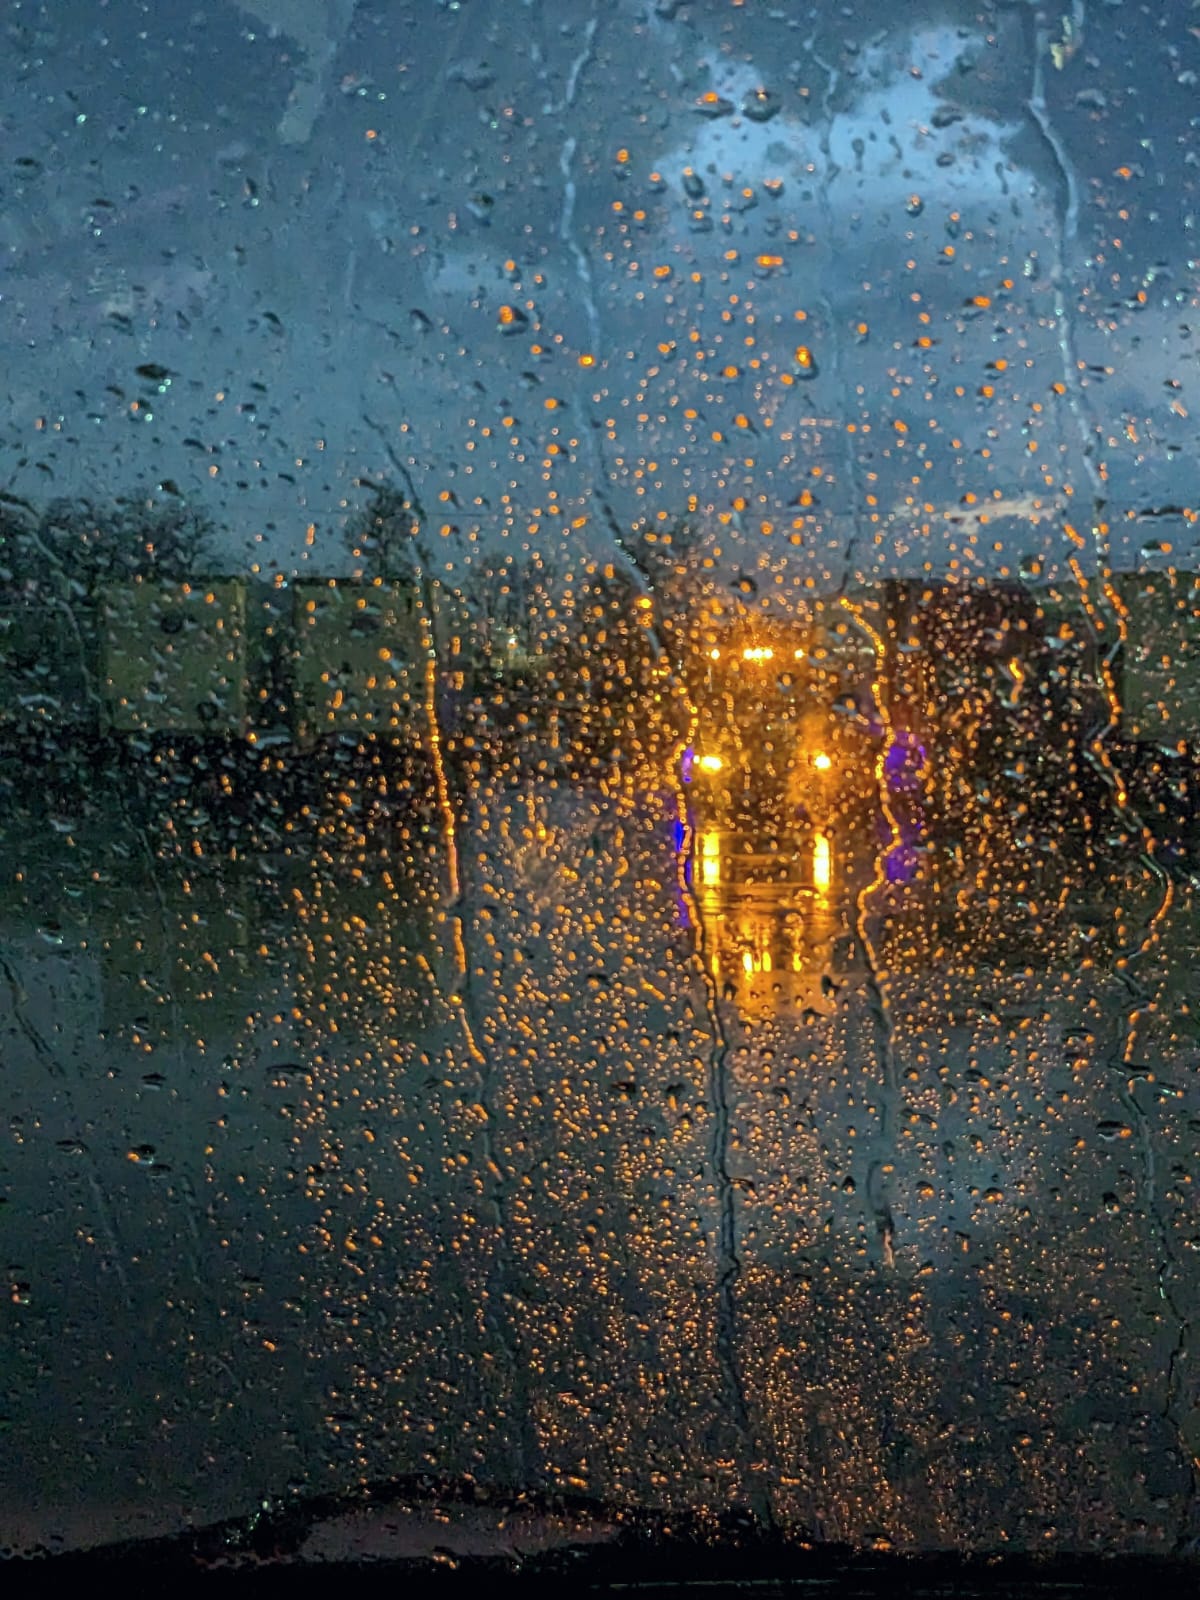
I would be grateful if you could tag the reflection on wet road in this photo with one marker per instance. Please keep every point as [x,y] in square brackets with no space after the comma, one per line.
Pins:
[643,1162]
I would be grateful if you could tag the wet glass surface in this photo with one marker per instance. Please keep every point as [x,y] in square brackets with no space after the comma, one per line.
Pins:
[598,845]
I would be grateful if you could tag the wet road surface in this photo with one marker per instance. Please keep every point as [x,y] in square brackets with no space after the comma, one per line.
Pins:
[520,1148]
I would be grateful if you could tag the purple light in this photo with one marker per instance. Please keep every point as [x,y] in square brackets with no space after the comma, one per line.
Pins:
[900,864]
[904,762]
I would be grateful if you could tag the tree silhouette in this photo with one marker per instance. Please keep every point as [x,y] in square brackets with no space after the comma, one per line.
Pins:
[384,535]
[81,542]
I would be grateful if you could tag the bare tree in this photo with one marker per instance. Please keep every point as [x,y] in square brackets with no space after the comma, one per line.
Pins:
[384,535]
[81,543]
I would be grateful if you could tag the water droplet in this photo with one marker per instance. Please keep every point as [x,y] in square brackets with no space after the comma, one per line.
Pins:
[713,105]
[761,105]
[511,320]
[1110,1130]
[471,74]
[806,362]
[282,1074]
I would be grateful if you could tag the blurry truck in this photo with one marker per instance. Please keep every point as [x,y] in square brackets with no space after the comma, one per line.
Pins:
[1157,679]
[780,770]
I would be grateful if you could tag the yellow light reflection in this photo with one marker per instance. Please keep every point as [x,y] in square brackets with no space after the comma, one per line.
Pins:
[822,762]
[710,763]
[710,857]
[822,863]
[758,652]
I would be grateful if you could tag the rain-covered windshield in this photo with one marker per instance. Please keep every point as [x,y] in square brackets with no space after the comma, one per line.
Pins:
[599,854]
